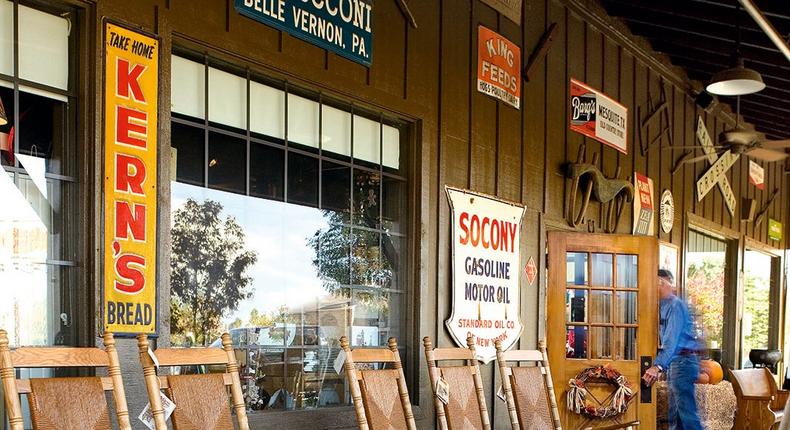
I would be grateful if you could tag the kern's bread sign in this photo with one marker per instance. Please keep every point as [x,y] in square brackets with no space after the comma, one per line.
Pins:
[595,115]
[486,271]
[130,143]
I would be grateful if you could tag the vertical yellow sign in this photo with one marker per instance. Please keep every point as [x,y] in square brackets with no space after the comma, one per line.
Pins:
[130,128]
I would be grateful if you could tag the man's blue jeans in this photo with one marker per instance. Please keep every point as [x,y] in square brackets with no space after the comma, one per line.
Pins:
[683,373]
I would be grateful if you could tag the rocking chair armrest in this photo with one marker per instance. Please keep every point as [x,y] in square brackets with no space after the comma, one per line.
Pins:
[615,426]
[780,399]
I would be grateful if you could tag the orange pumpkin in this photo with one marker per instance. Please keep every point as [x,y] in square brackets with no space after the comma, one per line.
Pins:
[713,370]
[703,378]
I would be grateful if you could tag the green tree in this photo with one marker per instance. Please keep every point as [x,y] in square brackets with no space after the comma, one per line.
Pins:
[757,300]
[705,289]
[236,323]
[208,267]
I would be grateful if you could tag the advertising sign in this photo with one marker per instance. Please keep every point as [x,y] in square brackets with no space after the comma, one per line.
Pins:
[595,115]
[486,268]
[643,205]
[340,26]
[131,74]
[498,67]
[756,175]
[509,8]
[774,229]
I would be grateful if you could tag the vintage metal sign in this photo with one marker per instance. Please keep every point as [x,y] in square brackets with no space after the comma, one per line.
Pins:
[666,213]
[595,115]
[131,74]
[486,269]
[643,205]
[498,67]
[774,229]
[510,8]
[344,27]
[707,146]
[531,270]
[756,175]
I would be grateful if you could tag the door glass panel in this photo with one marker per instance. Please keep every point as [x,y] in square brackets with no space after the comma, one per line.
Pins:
[576,342]
[627,271]
[626,307]
[601,306]
[626,343]
[575,305]
[602,270]
[576,268]
[601,343]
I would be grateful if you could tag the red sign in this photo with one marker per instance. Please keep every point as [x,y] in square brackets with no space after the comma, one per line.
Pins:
[531,270]
[756,175]
[643,205]
[498,67]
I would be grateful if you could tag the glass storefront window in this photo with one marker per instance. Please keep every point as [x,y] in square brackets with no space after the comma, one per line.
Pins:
[285,240]
[39,214]
[756,304]
[705,280]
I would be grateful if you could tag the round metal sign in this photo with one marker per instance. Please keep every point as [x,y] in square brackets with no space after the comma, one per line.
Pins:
[667,211]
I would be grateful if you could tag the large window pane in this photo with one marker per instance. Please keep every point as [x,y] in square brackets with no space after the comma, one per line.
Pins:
[336,131]
[302,121]
[6,37]
[367,138]
[187,87]
[44,48]
[189,144]
[367,198]
[267,171]
[706,264]
[394,204]
[227,99]
[302,179]
[756,304]
[267,111]
[227,166]
[336,189]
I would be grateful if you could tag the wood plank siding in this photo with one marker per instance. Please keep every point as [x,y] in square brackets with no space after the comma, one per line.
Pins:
[427,77]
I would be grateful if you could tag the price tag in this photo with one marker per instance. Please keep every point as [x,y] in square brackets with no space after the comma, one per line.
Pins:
[443,391]
[154,359]
[501,393]
[147,415]
[340,361]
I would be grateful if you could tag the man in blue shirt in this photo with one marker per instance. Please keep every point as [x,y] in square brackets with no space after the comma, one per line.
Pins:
[678,356]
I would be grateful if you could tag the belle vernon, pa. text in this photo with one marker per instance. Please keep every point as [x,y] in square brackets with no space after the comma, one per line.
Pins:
[130,173]
[354,12]
[494,235]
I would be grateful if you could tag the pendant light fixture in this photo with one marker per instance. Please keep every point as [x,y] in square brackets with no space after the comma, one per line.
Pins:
[738,80]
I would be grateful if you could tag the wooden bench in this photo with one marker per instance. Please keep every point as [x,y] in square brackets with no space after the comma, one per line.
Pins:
[760,403]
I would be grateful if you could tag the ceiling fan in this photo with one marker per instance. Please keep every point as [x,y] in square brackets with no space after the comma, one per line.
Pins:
[744,140]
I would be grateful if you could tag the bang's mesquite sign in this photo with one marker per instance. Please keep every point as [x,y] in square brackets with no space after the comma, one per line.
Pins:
[486,269]
[595,115]
[130,130]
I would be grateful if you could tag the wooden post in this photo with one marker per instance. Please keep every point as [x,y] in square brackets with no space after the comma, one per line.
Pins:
[14,409]
[353,382]
[235,388]
[504,373]
[114,371]
[402,389]
[151,383]
[433,374]
[481,396]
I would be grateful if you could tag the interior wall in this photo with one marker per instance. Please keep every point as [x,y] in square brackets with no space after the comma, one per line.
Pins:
[466,139]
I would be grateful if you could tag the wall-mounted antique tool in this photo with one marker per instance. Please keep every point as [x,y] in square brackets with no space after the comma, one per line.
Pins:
[613,192]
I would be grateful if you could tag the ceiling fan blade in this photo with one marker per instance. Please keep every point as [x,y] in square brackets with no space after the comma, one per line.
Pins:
[695,159]
[775,144]
[693,147]
[766,154]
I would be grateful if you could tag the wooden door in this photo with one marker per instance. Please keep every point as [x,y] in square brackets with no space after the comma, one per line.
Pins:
[602,307]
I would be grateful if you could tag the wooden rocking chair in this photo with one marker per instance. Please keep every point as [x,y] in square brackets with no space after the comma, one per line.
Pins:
[381,399]
[51,399]
[201,400]
[466,408]
[529,391]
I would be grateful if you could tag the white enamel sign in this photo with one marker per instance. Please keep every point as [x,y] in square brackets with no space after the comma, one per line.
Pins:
[486,271]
